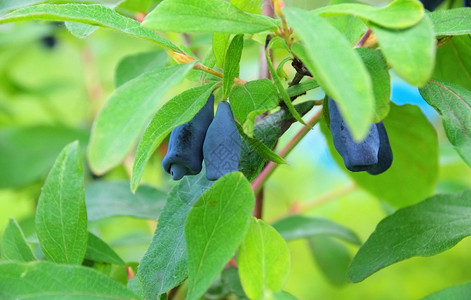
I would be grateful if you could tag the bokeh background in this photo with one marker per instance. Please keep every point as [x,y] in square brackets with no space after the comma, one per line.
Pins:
[52,85]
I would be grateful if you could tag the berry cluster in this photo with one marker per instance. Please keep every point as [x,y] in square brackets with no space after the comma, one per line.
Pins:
[212,138]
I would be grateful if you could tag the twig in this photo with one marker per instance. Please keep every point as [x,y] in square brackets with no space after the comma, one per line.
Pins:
[363,39]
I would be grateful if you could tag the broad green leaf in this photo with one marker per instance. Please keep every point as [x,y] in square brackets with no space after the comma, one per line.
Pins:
[140,6]
[221,216]
[264,260]
[398,14]
[98,250]
[252,99]
[250,6]
[455,292]
[302,87]
[113,198]
[424,229]
[80,30]
[453,62]
[350,26]
[415,158]
[121,120]
[346,80]
[46,281]
[14,246]
[281,295]
[164,265]
[332,257]
[232,62]
[453,103]
[379,73]
[451,21]
[297,227]
[410,52]
[27,153]
[205,16]
[61,215]
[88,14]
[281,90]
[220,43]
[260,147]
[177,111]
[267,130]
[134,65]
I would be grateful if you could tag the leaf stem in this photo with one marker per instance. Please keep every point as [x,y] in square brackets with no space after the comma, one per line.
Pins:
[271,166]
[363,39]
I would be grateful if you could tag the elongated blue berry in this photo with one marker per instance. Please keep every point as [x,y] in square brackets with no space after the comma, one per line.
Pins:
[385,155]
[357,156]
[221,147]
[185,147]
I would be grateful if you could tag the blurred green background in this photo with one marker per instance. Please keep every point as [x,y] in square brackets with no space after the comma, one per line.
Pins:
[49,96]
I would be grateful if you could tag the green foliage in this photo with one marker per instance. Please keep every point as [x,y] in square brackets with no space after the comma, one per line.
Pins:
[61,217]
[453,103]
[106,199]
[424,229]
[391,16]
[220,216]
[208,16]
[85,230]
[46,280]
[107,147]
[264,260]
[14,245]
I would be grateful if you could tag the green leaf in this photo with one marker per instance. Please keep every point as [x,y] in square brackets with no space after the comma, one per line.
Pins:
[281,90]
[346,80]
[134,65]
[453,62]
[98,250]
[251,99]
[232,62]
[250,6]
[297,227]
[415,164]
[264,260]
[61,215]
[267,130]
[332,257]
[88,14]
[350,26]
[302,87]
[20,166]
[424,229]
[80,30]
[451,21]
[12,4]
[220,42]
[113,198]
[453,103]
[455,292]
[205,16]
[45,280]
[379,73]
[119,123]
[398,14]
[281,295]
[410,52]
[179,110]
[221,216]
[260,147]
[164,265]
[14,245]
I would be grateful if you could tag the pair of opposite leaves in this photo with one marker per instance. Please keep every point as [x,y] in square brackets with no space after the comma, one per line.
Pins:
[213,138]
